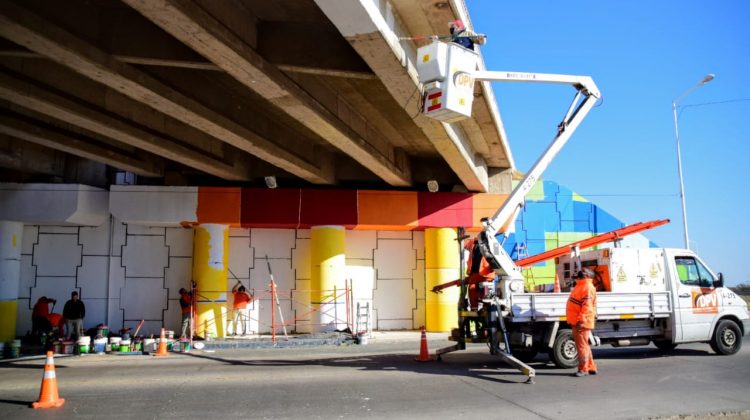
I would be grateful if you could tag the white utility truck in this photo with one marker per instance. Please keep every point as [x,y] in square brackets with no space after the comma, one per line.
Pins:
[666,296]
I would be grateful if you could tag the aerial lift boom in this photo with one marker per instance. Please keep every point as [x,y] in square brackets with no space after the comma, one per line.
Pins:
[448,72]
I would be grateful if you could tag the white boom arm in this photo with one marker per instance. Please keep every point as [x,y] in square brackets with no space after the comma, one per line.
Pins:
[586,96]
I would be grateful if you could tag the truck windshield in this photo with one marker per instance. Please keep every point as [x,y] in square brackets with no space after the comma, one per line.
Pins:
[692,273]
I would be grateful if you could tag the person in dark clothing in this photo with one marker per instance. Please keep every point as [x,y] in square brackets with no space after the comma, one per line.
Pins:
[74,312]
[460,35]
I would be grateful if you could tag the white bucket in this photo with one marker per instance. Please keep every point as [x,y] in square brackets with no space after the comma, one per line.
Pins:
[100,345]
[84,344]
[149,345]
[124,345]
[15,349]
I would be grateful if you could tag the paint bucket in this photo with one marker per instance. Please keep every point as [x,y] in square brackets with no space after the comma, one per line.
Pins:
[362,339]
[149,345]
[57,347]
[170,334]
[124,345]
[137,344]
[15,349]
[84,344]
[102,331]
[114,343]
[185,345]
[170,344]
[100,345]
[68,346]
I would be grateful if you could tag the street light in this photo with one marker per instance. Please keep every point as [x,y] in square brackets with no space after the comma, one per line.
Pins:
[705,80]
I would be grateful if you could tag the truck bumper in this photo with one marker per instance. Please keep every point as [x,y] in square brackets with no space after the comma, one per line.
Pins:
[746,326]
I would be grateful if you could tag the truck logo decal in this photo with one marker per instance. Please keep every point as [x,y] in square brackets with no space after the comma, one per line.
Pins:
[705,303]
[621,276]
[655,270]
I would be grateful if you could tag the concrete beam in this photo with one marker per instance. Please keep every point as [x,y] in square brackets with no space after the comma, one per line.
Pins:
[60,204]
[78,146]
[43,37]
[41,101]
[374,33]
[195,27]
[29,158]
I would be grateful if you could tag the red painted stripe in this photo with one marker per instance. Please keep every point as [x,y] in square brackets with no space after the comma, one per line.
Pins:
[435,95]
[434,107]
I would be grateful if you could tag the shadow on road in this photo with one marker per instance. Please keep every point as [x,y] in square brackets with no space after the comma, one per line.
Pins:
[474,365]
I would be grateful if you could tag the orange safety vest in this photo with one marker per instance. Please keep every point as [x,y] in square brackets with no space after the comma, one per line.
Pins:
[484,269]
[241,299]
[186,302]
[41,308]
[581,305]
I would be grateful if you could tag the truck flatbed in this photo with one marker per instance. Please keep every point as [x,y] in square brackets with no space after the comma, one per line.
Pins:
[550,307]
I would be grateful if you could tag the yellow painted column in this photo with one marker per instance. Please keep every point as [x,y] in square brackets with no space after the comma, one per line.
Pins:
[11,234]
[327,270]
[210,265]
[441,265]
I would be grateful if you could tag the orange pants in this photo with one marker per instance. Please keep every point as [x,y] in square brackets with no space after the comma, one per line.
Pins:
[585,358]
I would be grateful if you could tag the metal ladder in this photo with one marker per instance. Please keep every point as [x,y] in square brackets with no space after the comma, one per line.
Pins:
[363,319]
[528,274]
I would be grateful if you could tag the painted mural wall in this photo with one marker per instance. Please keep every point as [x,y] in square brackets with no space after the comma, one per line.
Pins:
[128,272]
[125,273]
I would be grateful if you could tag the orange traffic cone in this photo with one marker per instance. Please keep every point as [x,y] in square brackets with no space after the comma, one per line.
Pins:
[162,345]
[556,287]
[48,397]
[424,354]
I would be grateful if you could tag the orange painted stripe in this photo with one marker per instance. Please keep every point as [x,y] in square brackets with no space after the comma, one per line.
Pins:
[219,205]
[387,210]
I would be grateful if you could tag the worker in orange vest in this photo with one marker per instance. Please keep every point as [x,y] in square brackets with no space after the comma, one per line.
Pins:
[186,307]
[39,322]
[479,271]
[239,307]
[581,315]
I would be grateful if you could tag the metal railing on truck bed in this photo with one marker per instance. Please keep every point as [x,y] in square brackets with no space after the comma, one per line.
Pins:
[550,307]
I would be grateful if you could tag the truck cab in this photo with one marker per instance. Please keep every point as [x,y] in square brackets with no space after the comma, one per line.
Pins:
[704,310]
[661,295]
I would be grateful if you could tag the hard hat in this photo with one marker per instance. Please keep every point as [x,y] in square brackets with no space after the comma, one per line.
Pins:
[457,24]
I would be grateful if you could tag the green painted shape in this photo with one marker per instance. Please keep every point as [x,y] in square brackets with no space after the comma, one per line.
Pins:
[565,238]
[536,193]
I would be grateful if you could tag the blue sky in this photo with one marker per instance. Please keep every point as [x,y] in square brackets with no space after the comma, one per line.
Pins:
[642,55]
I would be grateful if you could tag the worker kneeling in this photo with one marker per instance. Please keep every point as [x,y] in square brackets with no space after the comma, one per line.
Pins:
[581,315]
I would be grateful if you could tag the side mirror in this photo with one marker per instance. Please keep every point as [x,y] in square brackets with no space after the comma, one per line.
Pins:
[720,281]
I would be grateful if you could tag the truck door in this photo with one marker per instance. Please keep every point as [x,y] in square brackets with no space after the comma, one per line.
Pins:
[698,302]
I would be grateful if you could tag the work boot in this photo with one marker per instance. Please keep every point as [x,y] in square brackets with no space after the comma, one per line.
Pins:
[592,372]
[579,374]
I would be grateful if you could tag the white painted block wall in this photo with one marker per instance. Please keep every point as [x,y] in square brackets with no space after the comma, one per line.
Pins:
[125,273]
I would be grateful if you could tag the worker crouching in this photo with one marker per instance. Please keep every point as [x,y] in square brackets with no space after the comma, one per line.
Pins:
[581,315]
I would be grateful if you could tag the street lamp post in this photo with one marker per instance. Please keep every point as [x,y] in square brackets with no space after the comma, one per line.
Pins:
[705,80]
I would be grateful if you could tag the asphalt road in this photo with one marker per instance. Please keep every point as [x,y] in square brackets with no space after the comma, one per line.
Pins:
[382,380]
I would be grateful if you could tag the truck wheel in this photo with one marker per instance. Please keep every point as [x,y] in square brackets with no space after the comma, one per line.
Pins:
[563,353]
[727,338]
[665,345]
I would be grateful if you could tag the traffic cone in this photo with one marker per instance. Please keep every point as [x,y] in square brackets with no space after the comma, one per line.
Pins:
[556,287]
[424,354]
[48,397]
[162,345]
